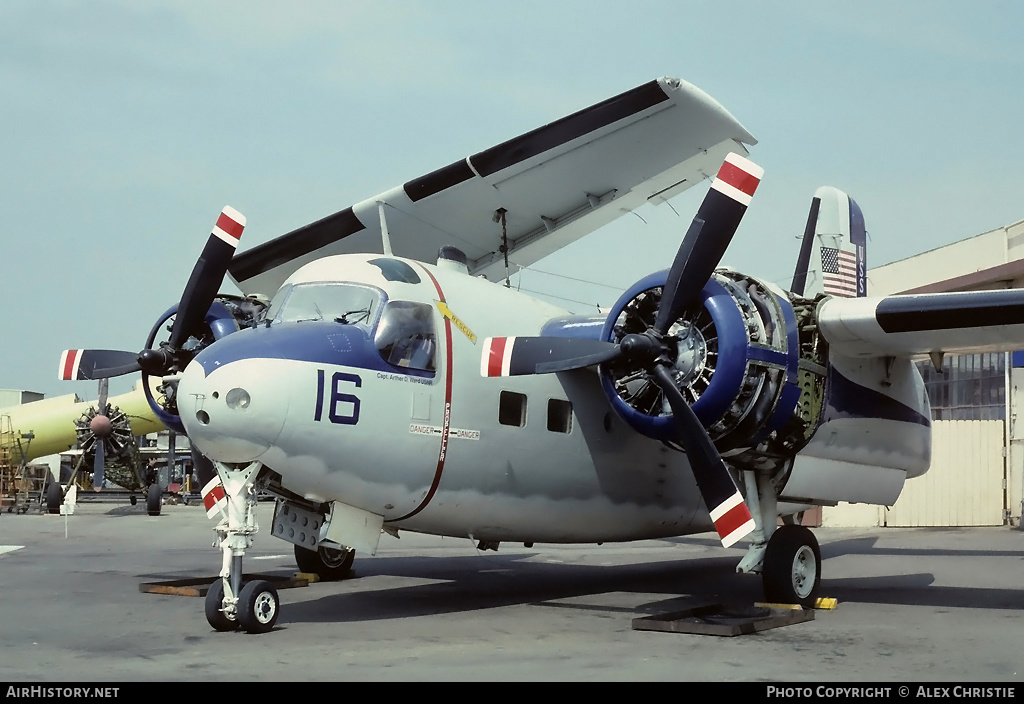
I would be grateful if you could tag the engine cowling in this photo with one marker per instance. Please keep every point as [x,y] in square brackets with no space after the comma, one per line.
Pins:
[226,315]
[736,361]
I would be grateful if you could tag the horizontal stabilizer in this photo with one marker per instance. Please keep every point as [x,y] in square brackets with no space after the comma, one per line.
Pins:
[920,325]
[545,188]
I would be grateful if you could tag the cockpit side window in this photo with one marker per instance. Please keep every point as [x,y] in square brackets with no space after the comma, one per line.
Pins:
[348,304]
[406,336]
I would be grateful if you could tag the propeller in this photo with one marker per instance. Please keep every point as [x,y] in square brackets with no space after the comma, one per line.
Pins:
[654,351]
[196,300]
[101,427]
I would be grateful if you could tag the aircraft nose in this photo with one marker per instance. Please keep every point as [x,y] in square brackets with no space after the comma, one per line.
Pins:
[229,414]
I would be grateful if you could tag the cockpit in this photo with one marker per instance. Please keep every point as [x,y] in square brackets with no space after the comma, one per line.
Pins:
[402,331]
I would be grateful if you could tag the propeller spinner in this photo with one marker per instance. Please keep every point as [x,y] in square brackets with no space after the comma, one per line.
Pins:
[653,352]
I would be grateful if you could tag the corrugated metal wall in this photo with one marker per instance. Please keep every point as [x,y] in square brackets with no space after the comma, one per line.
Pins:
[964,486]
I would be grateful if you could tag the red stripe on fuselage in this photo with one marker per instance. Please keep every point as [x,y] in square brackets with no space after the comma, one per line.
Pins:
[496,356]
[447,409]
[738,178]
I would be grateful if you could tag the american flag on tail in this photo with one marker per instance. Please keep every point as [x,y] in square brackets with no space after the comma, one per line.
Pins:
[839,271]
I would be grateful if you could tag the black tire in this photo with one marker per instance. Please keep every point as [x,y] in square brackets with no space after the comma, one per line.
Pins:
[214,616]
[258,607]
[327,563]
[791,573]
[133,499]
[54,497]
[154,499]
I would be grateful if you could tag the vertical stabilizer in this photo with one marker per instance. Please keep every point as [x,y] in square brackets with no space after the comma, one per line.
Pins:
[833,254]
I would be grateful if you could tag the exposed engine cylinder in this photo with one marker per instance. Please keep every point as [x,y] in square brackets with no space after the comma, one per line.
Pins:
[736,360]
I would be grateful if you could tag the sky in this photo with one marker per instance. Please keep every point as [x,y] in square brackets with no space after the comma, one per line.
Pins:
[125,127]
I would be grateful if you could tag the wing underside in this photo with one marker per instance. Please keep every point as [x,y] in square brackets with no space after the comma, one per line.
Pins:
[555,184]
[927,324]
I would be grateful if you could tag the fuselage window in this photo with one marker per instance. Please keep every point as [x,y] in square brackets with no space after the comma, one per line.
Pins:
[559,416]
[512,409]
[405,335]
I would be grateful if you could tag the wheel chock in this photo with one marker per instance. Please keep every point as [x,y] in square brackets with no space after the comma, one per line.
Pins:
[822,604]
[198,586]
[719,620]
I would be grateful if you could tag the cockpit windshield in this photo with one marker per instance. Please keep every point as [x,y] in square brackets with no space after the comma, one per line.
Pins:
[348,304]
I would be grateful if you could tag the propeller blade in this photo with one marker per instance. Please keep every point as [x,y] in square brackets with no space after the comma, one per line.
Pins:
[708,237]
[101,403]
[99,463]
[80,365]
[207,276]
[202,467]
[731,516]
[516,356]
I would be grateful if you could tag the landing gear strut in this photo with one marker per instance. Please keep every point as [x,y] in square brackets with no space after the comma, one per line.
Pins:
[787,557]
[229,604]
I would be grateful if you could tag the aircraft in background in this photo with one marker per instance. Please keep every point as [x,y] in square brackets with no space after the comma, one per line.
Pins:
[384,390]
[104,430]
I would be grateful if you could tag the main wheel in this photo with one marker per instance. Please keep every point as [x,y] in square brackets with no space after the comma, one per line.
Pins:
[214,616]
[258,606]
[54,497]
[791,573]
[330,564]
[154,498]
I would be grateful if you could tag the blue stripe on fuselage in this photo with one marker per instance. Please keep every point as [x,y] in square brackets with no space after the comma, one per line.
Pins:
[321,342]
[848,399]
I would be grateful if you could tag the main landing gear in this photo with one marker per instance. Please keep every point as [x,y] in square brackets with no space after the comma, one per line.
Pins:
[330,564]
[230,604]
[787,557]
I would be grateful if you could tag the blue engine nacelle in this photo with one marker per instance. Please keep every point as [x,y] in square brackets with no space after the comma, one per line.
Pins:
[226,315]
[736,361]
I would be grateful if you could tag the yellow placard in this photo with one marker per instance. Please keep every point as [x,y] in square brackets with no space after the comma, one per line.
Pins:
[447,312]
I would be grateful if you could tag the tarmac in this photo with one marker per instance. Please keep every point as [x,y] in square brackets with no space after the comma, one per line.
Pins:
[913,605]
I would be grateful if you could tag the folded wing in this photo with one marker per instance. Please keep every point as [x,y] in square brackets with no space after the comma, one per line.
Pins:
[554,184]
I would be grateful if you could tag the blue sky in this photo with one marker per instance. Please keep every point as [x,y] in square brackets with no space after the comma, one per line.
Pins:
[127,126]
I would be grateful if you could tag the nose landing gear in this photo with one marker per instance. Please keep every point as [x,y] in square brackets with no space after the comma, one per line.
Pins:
[255,605]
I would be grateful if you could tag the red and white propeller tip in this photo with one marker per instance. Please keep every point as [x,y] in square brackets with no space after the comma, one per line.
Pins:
[229,226]
[69,361]
[738,178]
[732,520]
[497,356]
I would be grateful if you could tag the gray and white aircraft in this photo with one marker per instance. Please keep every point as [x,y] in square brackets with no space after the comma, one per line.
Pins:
[371,384]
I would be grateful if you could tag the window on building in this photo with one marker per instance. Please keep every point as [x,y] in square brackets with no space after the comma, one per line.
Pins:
[512,409]
[970,387]
[559,416]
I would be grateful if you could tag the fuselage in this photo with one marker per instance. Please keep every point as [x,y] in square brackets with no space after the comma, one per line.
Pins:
[364,387]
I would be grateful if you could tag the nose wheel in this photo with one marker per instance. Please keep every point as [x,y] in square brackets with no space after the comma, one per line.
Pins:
[258,606]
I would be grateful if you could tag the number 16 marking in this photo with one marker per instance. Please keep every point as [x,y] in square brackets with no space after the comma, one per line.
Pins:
[334,414]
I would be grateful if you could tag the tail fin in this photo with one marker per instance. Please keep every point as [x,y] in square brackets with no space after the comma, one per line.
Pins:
[833,255]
